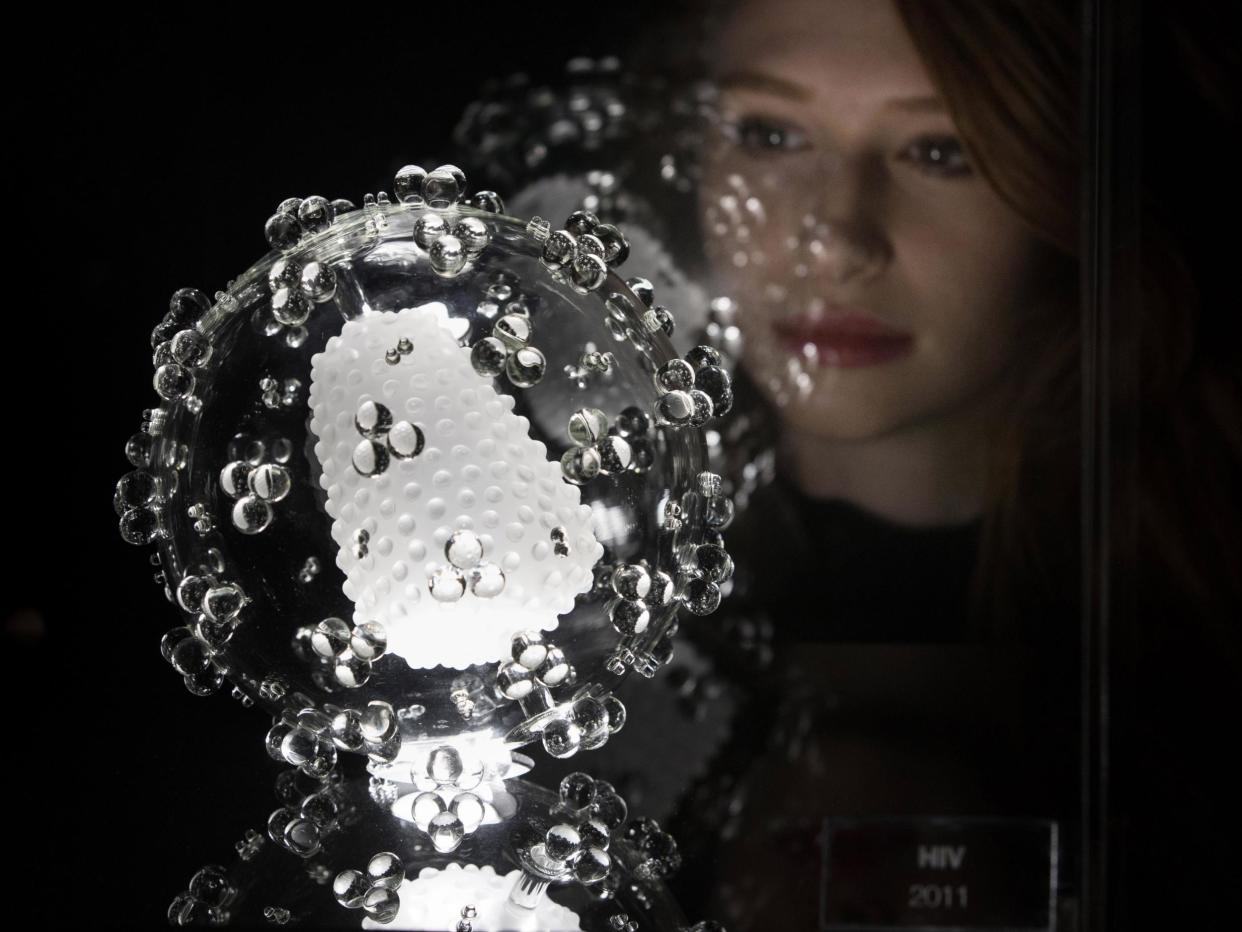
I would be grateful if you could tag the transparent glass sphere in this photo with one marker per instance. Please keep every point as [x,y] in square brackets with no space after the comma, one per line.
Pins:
[424,472]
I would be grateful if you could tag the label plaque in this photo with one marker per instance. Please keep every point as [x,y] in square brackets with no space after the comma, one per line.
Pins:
[938,874]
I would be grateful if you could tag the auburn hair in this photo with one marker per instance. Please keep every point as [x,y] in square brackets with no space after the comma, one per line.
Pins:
[1011,76]
[1009,73]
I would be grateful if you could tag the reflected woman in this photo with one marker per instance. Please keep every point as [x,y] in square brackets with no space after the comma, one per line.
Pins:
[892,199]
[892,202]
[902,248]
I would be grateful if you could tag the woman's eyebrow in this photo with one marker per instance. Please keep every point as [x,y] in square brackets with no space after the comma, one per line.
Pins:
[766,83]
[925,104]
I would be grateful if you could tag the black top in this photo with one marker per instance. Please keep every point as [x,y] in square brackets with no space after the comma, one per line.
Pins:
[859,685]
[831,572]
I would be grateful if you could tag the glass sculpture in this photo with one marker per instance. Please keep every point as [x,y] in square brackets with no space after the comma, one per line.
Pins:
[426,481]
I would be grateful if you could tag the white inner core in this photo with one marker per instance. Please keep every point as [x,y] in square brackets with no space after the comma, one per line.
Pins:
[479,470]
[434,900]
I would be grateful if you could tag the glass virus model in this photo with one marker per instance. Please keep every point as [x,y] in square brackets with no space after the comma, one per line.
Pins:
[427,476]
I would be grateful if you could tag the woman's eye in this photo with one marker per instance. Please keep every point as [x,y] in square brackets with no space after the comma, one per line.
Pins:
[763,135]
[937,155]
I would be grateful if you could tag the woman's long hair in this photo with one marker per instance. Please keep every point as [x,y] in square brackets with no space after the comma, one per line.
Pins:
[1010,74]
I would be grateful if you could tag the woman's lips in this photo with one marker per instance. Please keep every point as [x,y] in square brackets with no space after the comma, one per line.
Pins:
[849,339]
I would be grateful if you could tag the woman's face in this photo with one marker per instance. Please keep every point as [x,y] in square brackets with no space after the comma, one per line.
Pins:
[881,282]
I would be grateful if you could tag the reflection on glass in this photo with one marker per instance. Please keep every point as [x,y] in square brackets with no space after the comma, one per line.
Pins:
[444,850]
[889,199]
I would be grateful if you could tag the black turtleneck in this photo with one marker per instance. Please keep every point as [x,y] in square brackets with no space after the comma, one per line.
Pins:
[828,571]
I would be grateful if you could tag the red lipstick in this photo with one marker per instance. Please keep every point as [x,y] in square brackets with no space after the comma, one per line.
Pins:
[847,339]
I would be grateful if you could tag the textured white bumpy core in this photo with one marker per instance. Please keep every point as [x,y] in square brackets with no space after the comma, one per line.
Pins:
[478,471]
[434,900]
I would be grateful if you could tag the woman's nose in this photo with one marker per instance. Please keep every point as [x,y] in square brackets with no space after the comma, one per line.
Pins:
[844,230]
